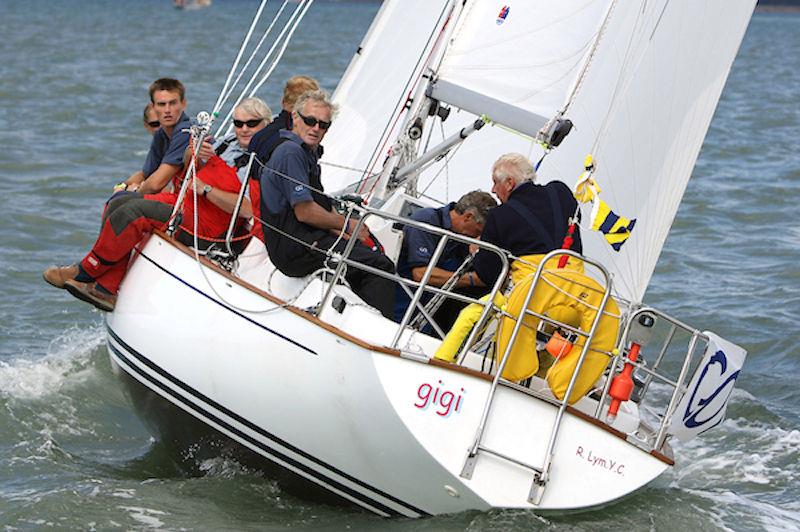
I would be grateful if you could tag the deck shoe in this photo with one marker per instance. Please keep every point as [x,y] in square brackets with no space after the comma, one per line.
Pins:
[58,275]
[90,293]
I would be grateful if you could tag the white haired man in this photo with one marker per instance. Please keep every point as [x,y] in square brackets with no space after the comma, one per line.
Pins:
[296,205]
[532,219]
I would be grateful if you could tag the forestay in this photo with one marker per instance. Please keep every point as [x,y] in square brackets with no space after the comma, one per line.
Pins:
[641,80]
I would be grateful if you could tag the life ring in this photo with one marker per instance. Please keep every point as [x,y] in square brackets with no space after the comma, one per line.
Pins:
[571,297]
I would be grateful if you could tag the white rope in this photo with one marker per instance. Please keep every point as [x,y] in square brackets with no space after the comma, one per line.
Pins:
[292,23]
[257,48]
[283,49]
[218,105]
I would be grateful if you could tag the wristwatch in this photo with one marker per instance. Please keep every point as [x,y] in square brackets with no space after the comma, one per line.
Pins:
[206,190]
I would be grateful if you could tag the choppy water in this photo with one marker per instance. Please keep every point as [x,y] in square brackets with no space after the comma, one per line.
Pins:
[72,454]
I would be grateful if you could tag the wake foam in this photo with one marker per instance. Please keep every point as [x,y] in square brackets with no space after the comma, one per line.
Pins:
[66,362]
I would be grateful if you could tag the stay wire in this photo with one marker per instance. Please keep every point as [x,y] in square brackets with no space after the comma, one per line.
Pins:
[222,95]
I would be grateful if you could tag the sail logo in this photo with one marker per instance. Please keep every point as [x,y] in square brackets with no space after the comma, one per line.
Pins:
[703,405]
[695,414]
[501,17]
[442,401]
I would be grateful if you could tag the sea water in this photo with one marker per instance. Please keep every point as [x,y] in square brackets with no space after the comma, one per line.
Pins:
[74,78]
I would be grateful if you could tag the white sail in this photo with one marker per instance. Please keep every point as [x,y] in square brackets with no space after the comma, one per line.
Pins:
[517,61]
[375,86]
[653,75]
[642,109]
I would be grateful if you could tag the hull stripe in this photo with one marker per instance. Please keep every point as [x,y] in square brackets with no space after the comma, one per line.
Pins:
[321,477]
[229,309]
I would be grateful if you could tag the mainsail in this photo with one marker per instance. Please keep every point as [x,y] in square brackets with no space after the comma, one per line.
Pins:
[640,81]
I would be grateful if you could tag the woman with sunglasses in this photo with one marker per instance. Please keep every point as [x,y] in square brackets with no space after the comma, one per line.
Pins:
[222,170]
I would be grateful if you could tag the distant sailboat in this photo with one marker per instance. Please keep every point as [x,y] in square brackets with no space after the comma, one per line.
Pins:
[191,4]
[302,374]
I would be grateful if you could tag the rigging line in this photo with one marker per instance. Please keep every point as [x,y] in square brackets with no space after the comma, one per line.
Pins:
[436,36]
[590,58]
[443,167]
[345,167]
[218,105]
[293,20]
[257,48]
[328,253]
[283,48]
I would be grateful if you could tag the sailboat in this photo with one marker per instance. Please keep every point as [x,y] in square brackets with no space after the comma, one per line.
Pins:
[304,376]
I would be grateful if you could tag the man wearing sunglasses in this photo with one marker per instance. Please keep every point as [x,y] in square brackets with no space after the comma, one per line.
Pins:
[150,119]
[300,224]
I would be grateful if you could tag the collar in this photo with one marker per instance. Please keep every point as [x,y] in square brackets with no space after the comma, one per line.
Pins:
[292,136]
[524,184]
[444,215]
[183,123]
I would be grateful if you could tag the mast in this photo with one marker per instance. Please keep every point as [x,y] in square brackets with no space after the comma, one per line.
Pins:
[420,106]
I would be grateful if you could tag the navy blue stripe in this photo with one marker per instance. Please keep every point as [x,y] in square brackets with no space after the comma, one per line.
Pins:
[229,309]
[312,472]
[609,222]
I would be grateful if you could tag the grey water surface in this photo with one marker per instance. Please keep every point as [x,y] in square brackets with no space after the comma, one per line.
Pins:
[73,81]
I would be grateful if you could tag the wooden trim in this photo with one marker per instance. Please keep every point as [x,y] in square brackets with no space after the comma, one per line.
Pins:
[386,350]
[664,458]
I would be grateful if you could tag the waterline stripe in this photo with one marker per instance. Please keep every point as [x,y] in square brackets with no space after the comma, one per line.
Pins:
[365,498]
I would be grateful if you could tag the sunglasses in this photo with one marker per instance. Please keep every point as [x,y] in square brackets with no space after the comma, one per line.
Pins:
[250,123]
[310,121]
[154,123]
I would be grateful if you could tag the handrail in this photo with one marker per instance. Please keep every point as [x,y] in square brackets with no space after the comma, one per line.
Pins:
[344,261]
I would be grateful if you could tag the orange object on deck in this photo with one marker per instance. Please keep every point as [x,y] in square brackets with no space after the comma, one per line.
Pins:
[622,385]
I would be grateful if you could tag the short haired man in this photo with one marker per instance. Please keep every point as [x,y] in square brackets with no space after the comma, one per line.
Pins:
[466,217]
[264,143]
[150,119]
[532,219]
[165,158]
[300,224]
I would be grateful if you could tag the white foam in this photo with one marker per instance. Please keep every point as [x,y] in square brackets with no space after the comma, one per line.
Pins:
[65,363]
[770,456]
[146,516]
[733,506]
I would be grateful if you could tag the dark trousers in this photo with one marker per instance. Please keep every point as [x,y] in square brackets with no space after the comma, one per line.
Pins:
[374,290]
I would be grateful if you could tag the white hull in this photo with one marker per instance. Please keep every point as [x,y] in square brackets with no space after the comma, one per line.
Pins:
[345,415]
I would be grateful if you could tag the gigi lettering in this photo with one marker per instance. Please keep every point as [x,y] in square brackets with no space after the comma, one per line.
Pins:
[442,401]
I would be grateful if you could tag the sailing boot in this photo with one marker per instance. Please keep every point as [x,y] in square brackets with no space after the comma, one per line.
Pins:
[58,275]
[91,293]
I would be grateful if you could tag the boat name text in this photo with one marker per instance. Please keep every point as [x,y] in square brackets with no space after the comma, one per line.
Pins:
[442,401]
[597,461]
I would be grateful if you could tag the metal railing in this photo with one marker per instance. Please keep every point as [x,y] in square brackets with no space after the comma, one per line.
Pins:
[423,286]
